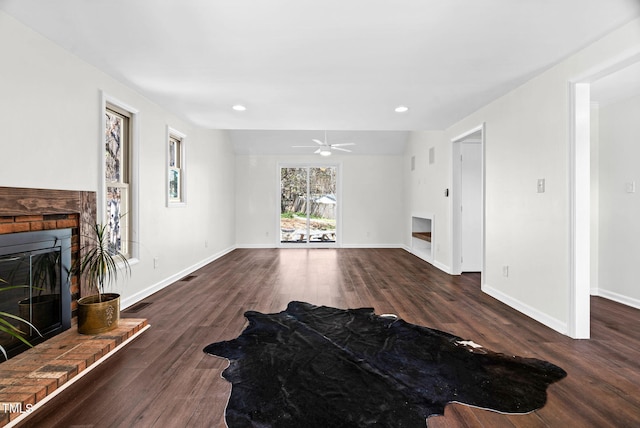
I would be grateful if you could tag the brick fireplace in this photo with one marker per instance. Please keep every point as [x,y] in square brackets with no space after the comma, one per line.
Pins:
[27,210]
[36,375]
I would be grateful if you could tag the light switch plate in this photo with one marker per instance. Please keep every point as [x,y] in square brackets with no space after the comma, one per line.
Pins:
[541,185]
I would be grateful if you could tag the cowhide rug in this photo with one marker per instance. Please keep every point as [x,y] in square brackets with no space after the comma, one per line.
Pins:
[317,366]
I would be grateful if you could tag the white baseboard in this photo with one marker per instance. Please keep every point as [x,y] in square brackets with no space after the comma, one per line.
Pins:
[371,246]
[255,246]
[442,267]
[431,261]
[135,298]
[529,311]
[293,245]
[616,297]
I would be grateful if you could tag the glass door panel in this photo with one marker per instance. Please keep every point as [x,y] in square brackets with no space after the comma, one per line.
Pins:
[322,204]
[293,214]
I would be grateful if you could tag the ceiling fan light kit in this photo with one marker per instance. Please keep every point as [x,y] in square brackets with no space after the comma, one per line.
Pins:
[325,148]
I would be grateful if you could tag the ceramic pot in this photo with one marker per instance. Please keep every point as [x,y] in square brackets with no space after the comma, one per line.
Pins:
[95,316]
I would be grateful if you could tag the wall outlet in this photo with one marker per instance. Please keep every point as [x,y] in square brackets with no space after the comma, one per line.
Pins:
[155,262]
[206,244]
[630,187]
[505,271]
[541,185]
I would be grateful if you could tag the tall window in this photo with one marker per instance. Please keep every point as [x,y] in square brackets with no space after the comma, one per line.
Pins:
[118,178]
[175,168]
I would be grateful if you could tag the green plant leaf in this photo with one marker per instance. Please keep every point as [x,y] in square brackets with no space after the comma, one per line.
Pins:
[97,264]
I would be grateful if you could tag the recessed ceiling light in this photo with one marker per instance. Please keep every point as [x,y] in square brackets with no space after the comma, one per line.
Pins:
[239,107]
[401,109]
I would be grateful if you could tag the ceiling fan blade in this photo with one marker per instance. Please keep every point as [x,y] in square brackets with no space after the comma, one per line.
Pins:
[317,151]
[341,149]
[342,144]
[305,146]
[318,141]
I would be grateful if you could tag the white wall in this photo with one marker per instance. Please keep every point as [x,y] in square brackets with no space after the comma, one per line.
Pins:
[595,196]
[619,211]
[424,191]
[50,115]
[527,138]
[372,200]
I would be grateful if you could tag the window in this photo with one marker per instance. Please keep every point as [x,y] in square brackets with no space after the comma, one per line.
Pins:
[117,207]
[117,178]
[175,168]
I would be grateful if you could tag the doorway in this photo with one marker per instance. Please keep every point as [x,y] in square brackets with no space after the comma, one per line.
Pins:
[468,201]
[587,244]
[309,206]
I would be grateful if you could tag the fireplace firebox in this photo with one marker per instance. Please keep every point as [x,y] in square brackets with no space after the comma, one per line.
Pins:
[34,270]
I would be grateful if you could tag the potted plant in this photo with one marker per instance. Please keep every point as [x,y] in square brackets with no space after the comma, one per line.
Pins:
[98,264]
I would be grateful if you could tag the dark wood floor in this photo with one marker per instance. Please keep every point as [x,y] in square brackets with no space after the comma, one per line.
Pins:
[163,379]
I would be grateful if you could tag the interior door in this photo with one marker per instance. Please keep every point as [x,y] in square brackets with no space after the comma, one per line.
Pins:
[308,205]
[471,206]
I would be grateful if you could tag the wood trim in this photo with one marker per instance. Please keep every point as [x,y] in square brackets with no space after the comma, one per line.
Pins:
[16,201]
[425,236]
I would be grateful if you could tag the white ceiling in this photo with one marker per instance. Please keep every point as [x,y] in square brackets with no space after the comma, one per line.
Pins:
[617,86]
[337,65]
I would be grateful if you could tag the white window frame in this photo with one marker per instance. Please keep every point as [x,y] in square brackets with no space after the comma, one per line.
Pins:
[133,165]
[181,201]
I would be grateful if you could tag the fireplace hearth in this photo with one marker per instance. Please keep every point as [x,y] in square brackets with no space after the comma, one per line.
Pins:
[37,263]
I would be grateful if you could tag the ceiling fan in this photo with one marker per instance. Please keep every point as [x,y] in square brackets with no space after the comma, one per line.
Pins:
[326,148]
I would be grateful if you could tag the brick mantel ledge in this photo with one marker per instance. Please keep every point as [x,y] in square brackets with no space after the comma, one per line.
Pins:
[30,379]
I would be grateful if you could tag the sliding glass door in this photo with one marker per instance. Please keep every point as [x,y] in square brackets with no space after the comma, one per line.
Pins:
[308,205]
